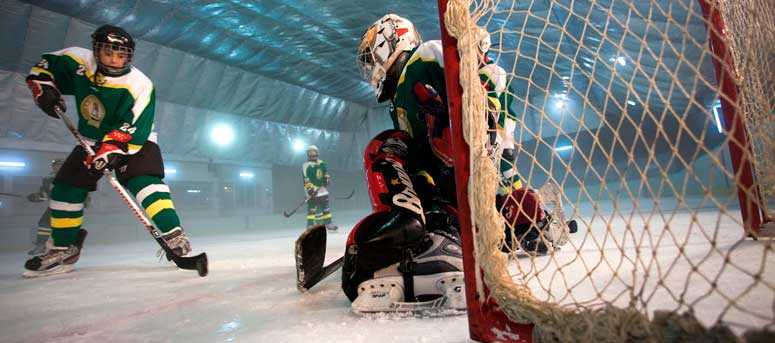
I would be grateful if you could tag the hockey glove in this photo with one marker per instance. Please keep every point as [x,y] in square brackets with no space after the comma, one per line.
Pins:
[36,197]
[434,112]
[311,191]
[46,94]
[110,153]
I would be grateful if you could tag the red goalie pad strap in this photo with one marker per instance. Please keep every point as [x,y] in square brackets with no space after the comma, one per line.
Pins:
[392,144]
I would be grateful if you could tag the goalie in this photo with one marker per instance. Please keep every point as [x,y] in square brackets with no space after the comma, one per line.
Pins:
[406,255]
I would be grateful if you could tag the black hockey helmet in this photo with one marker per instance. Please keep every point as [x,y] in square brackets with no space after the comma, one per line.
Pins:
[115,39]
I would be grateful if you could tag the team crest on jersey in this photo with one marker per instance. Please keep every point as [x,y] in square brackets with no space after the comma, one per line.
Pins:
[319,174]
[92,110]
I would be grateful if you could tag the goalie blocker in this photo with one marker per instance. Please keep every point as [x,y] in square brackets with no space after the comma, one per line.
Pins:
[406,255]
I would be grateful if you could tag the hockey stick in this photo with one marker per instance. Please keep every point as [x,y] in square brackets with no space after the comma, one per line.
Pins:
[310,254]
[11,195]
[198,262]
[287,214]
[348,196]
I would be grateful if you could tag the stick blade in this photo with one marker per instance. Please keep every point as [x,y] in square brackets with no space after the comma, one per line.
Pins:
[198,263]
[310,255]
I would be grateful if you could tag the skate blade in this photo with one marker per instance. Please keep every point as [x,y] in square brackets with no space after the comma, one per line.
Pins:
[385,297]
[61,269]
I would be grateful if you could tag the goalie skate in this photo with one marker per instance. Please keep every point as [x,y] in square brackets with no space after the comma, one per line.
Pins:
[436,280]
[444,295]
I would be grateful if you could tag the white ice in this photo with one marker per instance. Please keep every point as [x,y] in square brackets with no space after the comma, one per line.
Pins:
[122,293]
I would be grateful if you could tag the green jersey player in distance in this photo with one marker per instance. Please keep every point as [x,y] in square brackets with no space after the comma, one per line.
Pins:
[316,181]
[115,103]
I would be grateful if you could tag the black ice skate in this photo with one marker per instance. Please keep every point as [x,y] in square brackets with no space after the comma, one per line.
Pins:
[430,283]
[56,260]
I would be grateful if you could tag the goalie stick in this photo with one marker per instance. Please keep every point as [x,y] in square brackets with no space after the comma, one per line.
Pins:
[198,262]
[310,255]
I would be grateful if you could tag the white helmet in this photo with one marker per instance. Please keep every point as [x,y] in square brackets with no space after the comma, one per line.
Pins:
[312,156]
[484,40]
[381,45]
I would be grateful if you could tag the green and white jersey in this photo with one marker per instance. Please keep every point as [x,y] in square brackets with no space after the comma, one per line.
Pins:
[315,174]
[495,80]
[125,103]
[426,66]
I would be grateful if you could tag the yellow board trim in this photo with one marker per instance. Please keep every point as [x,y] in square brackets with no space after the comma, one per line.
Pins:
[158,206]
[64,223]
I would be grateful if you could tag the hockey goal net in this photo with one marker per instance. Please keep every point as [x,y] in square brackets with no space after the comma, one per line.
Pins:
[653,123]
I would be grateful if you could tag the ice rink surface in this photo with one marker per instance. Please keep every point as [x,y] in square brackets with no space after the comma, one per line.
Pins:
[122,293]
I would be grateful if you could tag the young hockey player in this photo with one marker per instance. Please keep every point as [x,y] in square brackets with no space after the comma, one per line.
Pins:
[316,180]
[512,194]
[43,231]
[407,254]
[115,104]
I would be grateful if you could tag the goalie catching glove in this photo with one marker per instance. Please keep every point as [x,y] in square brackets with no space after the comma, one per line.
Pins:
[110,153]
[46,94]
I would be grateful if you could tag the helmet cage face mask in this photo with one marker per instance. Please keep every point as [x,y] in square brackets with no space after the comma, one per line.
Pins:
[115,48]
[116,40]
[382,43]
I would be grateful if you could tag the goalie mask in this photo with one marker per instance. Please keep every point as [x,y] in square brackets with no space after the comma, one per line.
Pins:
[118,42]
[382,46]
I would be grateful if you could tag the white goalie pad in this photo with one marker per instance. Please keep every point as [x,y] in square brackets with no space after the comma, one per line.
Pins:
[386,294]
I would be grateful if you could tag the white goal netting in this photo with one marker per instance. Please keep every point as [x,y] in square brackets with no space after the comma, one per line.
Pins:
[624,124]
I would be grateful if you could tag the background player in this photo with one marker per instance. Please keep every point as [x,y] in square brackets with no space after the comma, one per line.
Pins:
[316,181]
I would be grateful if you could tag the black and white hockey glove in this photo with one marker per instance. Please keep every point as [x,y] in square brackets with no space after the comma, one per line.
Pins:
[46,94]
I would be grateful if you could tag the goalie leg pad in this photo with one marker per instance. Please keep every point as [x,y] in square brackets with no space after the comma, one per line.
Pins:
[376,242]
